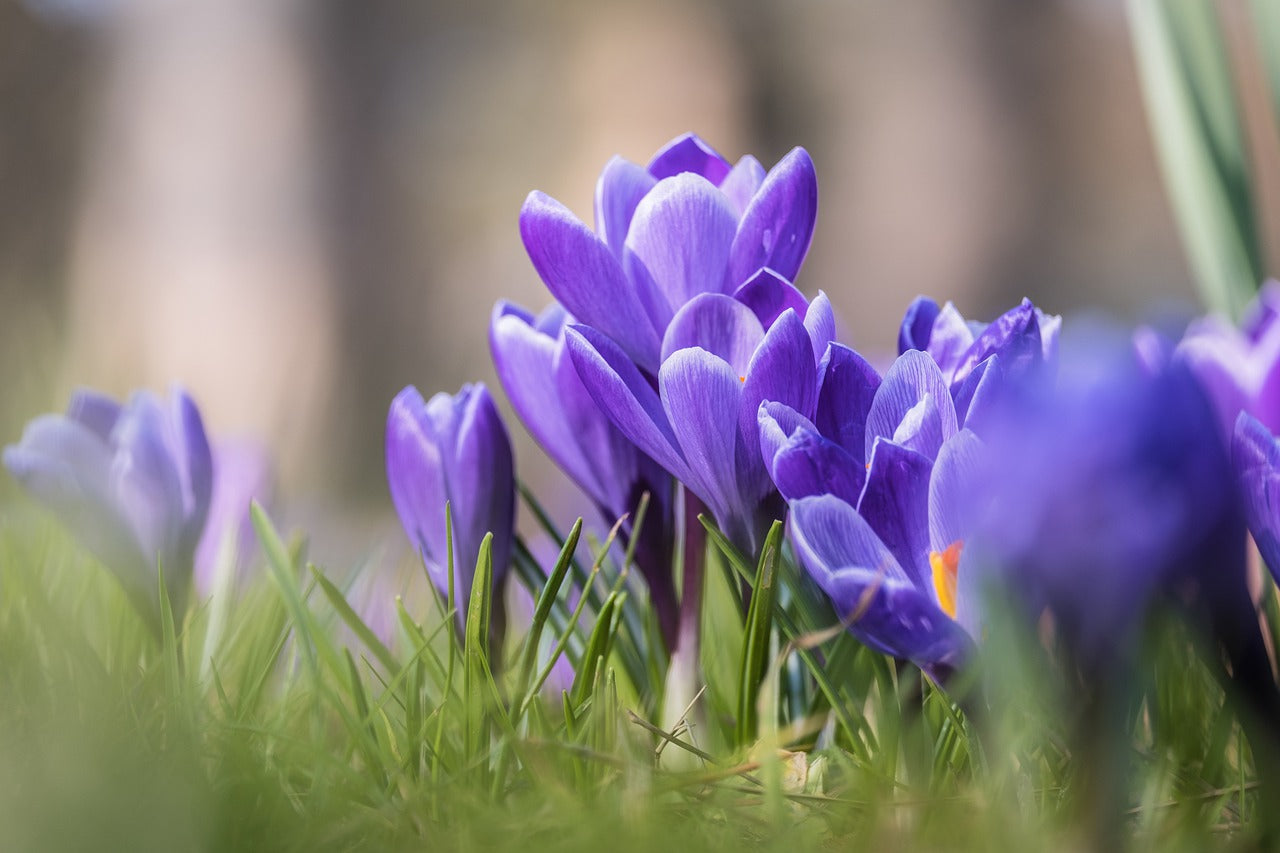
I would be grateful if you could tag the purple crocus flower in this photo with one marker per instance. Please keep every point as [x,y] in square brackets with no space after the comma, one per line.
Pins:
[687,224]
[1255,456]
[540,380]
[1239,368]
[131,481]
[455,450]
[1022,337]
[241,475]
[1111,488]
[718,363]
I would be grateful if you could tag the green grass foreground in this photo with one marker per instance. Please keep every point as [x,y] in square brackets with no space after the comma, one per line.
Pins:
[280,722]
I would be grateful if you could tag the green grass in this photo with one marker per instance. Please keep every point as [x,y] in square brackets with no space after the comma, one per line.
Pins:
[283,723]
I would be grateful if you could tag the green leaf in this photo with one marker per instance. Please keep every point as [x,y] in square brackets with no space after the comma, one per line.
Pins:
[354,622]
[475,651]
[755,644]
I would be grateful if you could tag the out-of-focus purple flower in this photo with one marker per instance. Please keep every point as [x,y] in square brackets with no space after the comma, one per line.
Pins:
[241,474]
[889,558]
[718,364]
[1239,368]
[455,450]
[1255,455]
[1109,488]
[687,224]
[132,482]
[542,384]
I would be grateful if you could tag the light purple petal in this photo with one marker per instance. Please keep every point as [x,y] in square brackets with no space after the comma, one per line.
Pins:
[1014,335]
[625,396]
[820,321]
[416,479]
[96,411]
[768,294]
[950,339]
[678,245]
[719,324]
[831,537]
[895,503]
[955,491]
[978,394]
[621,186]
[847,387]
[145,479]
[742,183]
[702,395]
[912,376]
[778,422]
[917,324]
[778,224]
[781,370]
[689,153]
[583,274]
[1220,359]
[921,428]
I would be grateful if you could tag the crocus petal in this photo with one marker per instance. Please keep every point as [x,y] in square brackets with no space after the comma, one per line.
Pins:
[831,536]
[820,322]
[689,153]
[921,428]
[1256,459]
[625,396]
[807,464]
[482,484]
[978,394]
[701,394]
[778,225]
[912,376]
[781,370]
[743,182]
[416,479]
[954,489]
[950,338]
[144,476]
[917,324]
[1220,360]
[583,274]
[621,186]
[1263,312]
[678,245]
[191,450]
[719,324]
[895,503]
[768,294]
[96,411]
[1015,335]
[778,422]
[847,386]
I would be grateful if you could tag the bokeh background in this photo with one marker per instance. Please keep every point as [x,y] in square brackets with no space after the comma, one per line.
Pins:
[296,208]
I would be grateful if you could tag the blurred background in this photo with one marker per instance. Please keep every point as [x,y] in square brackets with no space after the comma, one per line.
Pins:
[296,208]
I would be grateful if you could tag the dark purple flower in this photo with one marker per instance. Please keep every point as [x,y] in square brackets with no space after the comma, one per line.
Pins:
[718,363]
[455,450]
[133,482]
[1022,338]
[1109,488]
[543,385]
[688,224]
[1239,368]
[241,475]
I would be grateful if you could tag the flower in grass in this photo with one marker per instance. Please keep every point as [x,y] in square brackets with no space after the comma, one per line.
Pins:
[1239,367]
[131,481]
[718,363]
[241,475]
[1110,488]
[689,223]
[454,450]
[542,384]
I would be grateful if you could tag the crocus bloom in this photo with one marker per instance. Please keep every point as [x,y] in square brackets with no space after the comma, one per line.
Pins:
[1023,336]
[718,364]
[241,475]
[454,450]
[540,380]
[1239,368]
[1111,488]
[132,481]
[687,224]
[1255,455]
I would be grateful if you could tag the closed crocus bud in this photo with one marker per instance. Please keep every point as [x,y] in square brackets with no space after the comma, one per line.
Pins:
[131,481]
[454,450]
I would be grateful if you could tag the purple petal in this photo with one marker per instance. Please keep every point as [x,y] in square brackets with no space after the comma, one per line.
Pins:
[688,153]
[950,339]
[954,490]
[847,386]
[921,428]
[702,395]
[830,536]
[912,376]
[778,224]
[895,503]
[978,395]
[807,464]
[621,186]
[625,396]
[742,183]
[482,484]
[768,294]
[778,422]
[781,370]
[145,479]
[416,479]
[1220,359]
[1263,312]
[917,324]
[1014,335]
[719,324]
[678,245]
[583,274]
[194,464]
[820,321]
[96,411]
[1256,460]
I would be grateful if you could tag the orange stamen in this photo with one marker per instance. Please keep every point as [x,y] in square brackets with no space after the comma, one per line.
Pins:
[946,569]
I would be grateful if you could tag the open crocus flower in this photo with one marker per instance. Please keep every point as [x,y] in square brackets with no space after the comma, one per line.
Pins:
[131,481]
[1239,367]
[890,561]
[540,380]
[687,224]
[454,450]
[718,364]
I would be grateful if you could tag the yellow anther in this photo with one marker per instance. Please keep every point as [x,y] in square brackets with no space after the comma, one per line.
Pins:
[946,568]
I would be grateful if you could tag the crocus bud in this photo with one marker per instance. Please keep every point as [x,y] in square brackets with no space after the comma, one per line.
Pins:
[132,482]
[455,450]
